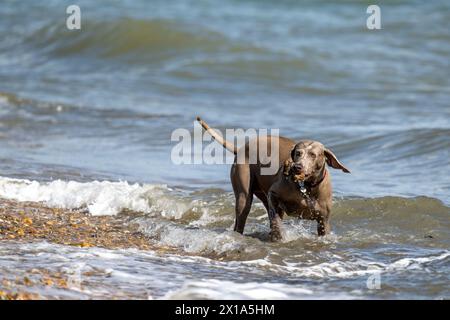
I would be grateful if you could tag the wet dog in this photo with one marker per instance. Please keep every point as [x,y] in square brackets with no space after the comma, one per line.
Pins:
[301,187]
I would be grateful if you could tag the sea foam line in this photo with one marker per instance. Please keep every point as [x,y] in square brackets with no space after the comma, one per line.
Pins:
[99,197]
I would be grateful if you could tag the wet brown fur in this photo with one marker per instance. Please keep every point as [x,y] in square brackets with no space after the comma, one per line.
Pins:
[280,193]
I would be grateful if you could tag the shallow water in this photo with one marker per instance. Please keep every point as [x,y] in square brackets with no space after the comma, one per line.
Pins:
[404,242]
[101,104]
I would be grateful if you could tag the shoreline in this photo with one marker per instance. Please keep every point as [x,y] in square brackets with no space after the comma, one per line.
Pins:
[31,222]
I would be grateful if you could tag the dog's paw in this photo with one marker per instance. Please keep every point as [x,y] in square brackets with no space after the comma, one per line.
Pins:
[275,236]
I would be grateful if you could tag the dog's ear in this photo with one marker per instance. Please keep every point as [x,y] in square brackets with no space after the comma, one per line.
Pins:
[333,162]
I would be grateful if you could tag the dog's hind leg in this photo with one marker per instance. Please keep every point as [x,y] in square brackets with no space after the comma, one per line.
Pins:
[241,181]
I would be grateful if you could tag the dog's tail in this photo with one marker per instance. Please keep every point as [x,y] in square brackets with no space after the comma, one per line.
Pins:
[216,136]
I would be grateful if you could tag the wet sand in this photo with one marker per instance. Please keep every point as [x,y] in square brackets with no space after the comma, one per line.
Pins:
[30,221]
[27,221]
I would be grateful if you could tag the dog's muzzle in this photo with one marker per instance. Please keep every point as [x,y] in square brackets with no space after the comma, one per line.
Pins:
[297,168]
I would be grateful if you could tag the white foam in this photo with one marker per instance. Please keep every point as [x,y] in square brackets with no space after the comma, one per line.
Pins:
[100,198]
[349,269]
[195,239]
[416,263]
[216,289]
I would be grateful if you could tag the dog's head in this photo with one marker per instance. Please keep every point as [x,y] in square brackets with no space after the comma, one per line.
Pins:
[309,158]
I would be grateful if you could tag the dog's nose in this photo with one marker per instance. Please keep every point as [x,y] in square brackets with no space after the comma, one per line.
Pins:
[298,167]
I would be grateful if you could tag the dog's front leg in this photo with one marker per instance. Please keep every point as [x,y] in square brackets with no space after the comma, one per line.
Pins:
[275,214]
[323,220]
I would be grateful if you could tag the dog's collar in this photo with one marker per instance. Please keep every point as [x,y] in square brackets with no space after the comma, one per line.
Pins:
[320,180]
[301,185]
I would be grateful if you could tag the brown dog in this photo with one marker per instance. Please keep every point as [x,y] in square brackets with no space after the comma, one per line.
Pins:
[301,187]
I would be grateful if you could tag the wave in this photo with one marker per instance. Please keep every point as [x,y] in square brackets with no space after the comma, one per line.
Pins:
[137,40]
[361,267]
[185,50]
[30,110]
[217,289]
[98,198]
[335,268]
[399,145]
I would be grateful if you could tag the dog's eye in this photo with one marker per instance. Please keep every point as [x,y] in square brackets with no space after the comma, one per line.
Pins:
[312,155]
